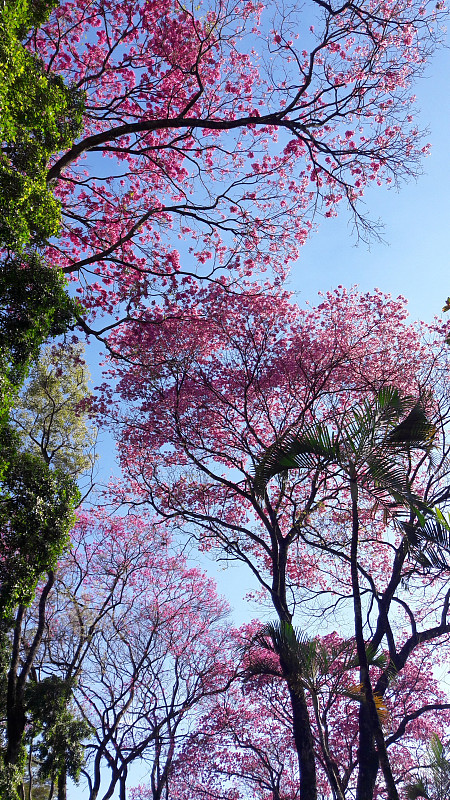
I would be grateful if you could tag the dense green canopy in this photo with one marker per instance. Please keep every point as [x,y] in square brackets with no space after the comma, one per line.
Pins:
[39,115]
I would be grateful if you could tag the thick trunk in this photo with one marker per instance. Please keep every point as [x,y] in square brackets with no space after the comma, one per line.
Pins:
[367,757]
[16,725]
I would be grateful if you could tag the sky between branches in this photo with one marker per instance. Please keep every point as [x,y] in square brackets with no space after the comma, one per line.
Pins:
[414,258]
[411,261]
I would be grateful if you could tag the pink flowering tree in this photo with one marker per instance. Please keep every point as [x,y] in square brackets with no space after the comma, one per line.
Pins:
[214,132]
[141,638]
[204,408]
[244,746]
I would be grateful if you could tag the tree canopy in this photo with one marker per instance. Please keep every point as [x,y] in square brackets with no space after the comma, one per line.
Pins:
[265,437]
[39,115]
[215,133]
[169,160]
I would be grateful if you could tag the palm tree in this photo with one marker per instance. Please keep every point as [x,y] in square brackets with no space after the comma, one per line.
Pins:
[370,448]
[434,784]
[304,663]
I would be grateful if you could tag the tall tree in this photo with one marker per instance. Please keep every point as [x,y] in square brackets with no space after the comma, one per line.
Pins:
[226,126]
[143,637]
[37,513]
[205,407]
[371,447]
[39,115]
[38,498]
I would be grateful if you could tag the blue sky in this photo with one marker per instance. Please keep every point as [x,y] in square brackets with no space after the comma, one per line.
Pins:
[414,258]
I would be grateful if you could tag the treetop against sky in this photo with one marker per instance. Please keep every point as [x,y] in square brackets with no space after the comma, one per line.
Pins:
[214,134]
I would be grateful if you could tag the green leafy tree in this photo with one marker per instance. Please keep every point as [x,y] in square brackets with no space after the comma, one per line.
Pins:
[39,115]
[47,447]
[36,515]
[48,412]
[34,305]
[59,752]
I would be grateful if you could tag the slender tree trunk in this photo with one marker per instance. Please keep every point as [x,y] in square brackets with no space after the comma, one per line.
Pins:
[303,738]
[15,712]
[62,784]
[304,743]
[371,729]
[17,678]
[329,765]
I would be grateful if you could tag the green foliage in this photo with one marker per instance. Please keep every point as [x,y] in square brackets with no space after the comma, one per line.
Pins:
[61,734]
[41,457]
[39,116]
[47,413]
[304,658]
[36,515]
[434,782]
[374,434]
[10,779]
[429,540]
[33,306]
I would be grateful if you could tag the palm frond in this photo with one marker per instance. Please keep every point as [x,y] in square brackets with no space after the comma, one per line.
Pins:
[436,749]
[415,430]
[374,658]
[296,451]
[390,400]
[299,654]
[429,541]
[373,433]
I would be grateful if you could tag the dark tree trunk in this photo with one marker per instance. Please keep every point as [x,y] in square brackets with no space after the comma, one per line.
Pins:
[367,757]
[370,727]
[303,738]
[62,784]
[304,743]
[15,712]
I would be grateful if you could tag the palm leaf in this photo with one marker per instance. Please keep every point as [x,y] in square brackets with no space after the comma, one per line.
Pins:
[414,430]
[373,432]
[436,749]
[374,658]
[315,446]
[299,654]
[429,541]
